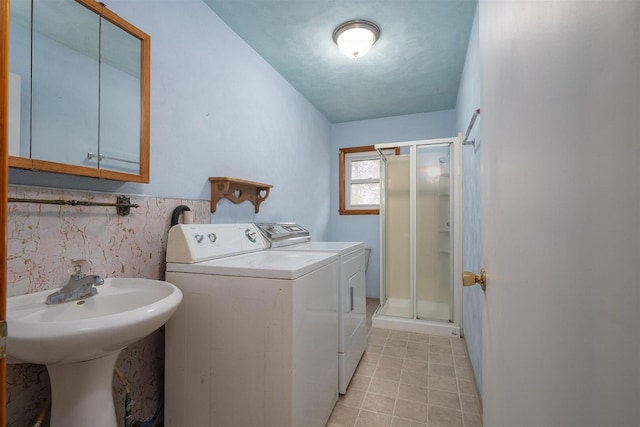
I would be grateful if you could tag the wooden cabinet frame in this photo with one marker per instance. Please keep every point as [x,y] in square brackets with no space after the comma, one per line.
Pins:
[145,85]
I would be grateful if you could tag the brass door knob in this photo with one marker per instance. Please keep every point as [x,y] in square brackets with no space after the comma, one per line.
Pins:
[470,279]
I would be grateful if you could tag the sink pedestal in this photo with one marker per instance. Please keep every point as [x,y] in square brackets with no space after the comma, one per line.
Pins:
[82,393]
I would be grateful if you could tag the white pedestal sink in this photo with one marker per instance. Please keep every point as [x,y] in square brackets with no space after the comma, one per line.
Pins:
[79,341]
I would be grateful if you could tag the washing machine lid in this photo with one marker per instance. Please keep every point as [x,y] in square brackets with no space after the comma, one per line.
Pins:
[286,265]
[340,248]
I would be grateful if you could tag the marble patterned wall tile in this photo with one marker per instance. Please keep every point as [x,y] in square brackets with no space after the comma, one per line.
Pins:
[42,241]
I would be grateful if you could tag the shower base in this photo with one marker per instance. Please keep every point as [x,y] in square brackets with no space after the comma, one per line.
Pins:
[396,314]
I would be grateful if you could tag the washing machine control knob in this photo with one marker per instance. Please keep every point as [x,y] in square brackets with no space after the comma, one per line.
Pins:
[198,237]
[251,235]
[212,237]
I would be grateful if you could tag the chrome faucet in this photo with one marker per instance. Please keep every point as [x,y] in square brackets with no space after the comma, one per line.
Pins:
[78,287]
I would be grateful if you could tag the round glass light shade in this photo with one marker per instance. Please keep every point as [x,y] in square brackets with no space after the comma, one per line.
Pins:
[355,38]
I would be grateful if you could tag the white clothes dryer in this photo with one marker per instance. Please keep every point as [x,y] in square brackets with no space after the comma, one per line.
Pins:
[254,341]
[352,313]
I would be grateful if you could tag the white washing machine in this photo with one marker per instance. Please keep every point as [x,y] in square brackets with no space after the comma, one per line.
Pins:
[352,315]
[253,342]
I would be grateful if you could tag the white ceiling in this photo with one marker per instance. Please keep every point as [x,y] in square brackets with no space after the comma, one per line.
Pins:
[414,67]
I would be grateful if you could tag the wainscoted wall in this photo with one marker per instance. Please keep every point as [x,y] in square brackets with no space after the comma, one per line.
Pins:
[42,240]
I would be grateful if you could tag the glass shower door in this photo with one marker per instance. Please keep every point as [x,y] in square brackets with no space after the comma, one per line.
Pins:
[433,233]
[398,274]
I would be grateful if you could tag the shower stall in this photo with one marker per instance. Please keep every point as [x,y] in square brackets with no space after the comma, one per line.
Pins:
[420,237]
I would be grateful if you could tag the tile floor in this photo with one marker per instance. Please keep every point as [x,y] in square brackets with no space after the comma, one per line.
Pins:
[409,380]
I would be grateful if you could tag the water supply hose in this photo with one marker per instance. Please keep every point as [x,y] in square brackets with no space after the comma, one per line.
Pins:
[176,214]
[128,403]
[43,413]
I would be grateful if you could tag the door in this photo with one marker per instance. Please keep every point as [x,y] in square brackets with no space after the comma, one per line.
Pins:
[4,179]
[561,212]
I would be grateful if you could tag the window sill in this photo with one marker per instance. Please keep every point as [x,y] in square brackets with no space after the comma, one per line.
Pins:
[359,211]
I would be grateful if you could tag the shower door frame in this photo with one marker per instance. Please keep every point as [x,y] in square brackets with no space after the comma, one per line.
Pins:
[455,238]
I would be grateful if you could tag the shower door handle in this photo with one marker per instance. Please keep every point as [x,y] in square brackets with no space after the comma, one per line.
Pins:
[470,279]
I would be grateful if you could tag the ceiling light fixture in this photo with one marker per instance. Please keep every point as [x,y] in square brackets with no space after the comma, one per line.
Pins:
[355,38]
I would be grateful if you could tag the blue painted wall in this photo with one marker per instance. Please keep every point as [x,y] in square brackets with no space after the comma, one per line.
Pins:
[218,109]
[365,228]
[468,102]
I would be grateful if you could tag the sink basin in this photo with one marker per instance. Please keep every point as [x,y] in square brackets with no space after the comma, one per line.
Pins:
[79,341]
[123,311]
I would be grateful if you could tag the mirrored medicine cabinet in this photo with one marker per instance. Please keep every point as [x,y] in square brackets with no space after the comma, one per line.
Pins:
[78,91]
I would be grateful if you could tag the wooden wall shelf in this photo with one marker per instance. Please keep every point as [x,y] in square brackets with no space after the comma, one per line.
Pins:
[238,191]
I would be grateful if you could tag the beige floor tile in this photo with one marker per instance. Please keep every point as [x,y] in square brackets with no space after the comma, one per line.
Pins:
[444,417]
[470,404]
[375,348]
[418,337]
[418,345]
[359,382]
[461,360]
[441,340]
[384,387]
[413,378]
[378,403]
[399,335]
[369,357]
[472,420]
[413,393]
[436,348]
[417,355]
[441,358]
[444,399]
[464,373]
[373,419]
[467,387]
[394,351]
[442,383]
[366,369]
[457,342]
[353,398]
[377,339]
[459,351]
[411,410]
[343,416]
[393,342]
[378,331]
[402,422]
[390,361]
[414,365]
[442,370]
[386,373]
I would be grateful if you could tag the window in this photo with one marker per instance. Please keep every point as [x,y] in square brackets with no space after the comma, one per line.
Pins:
[360,180]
